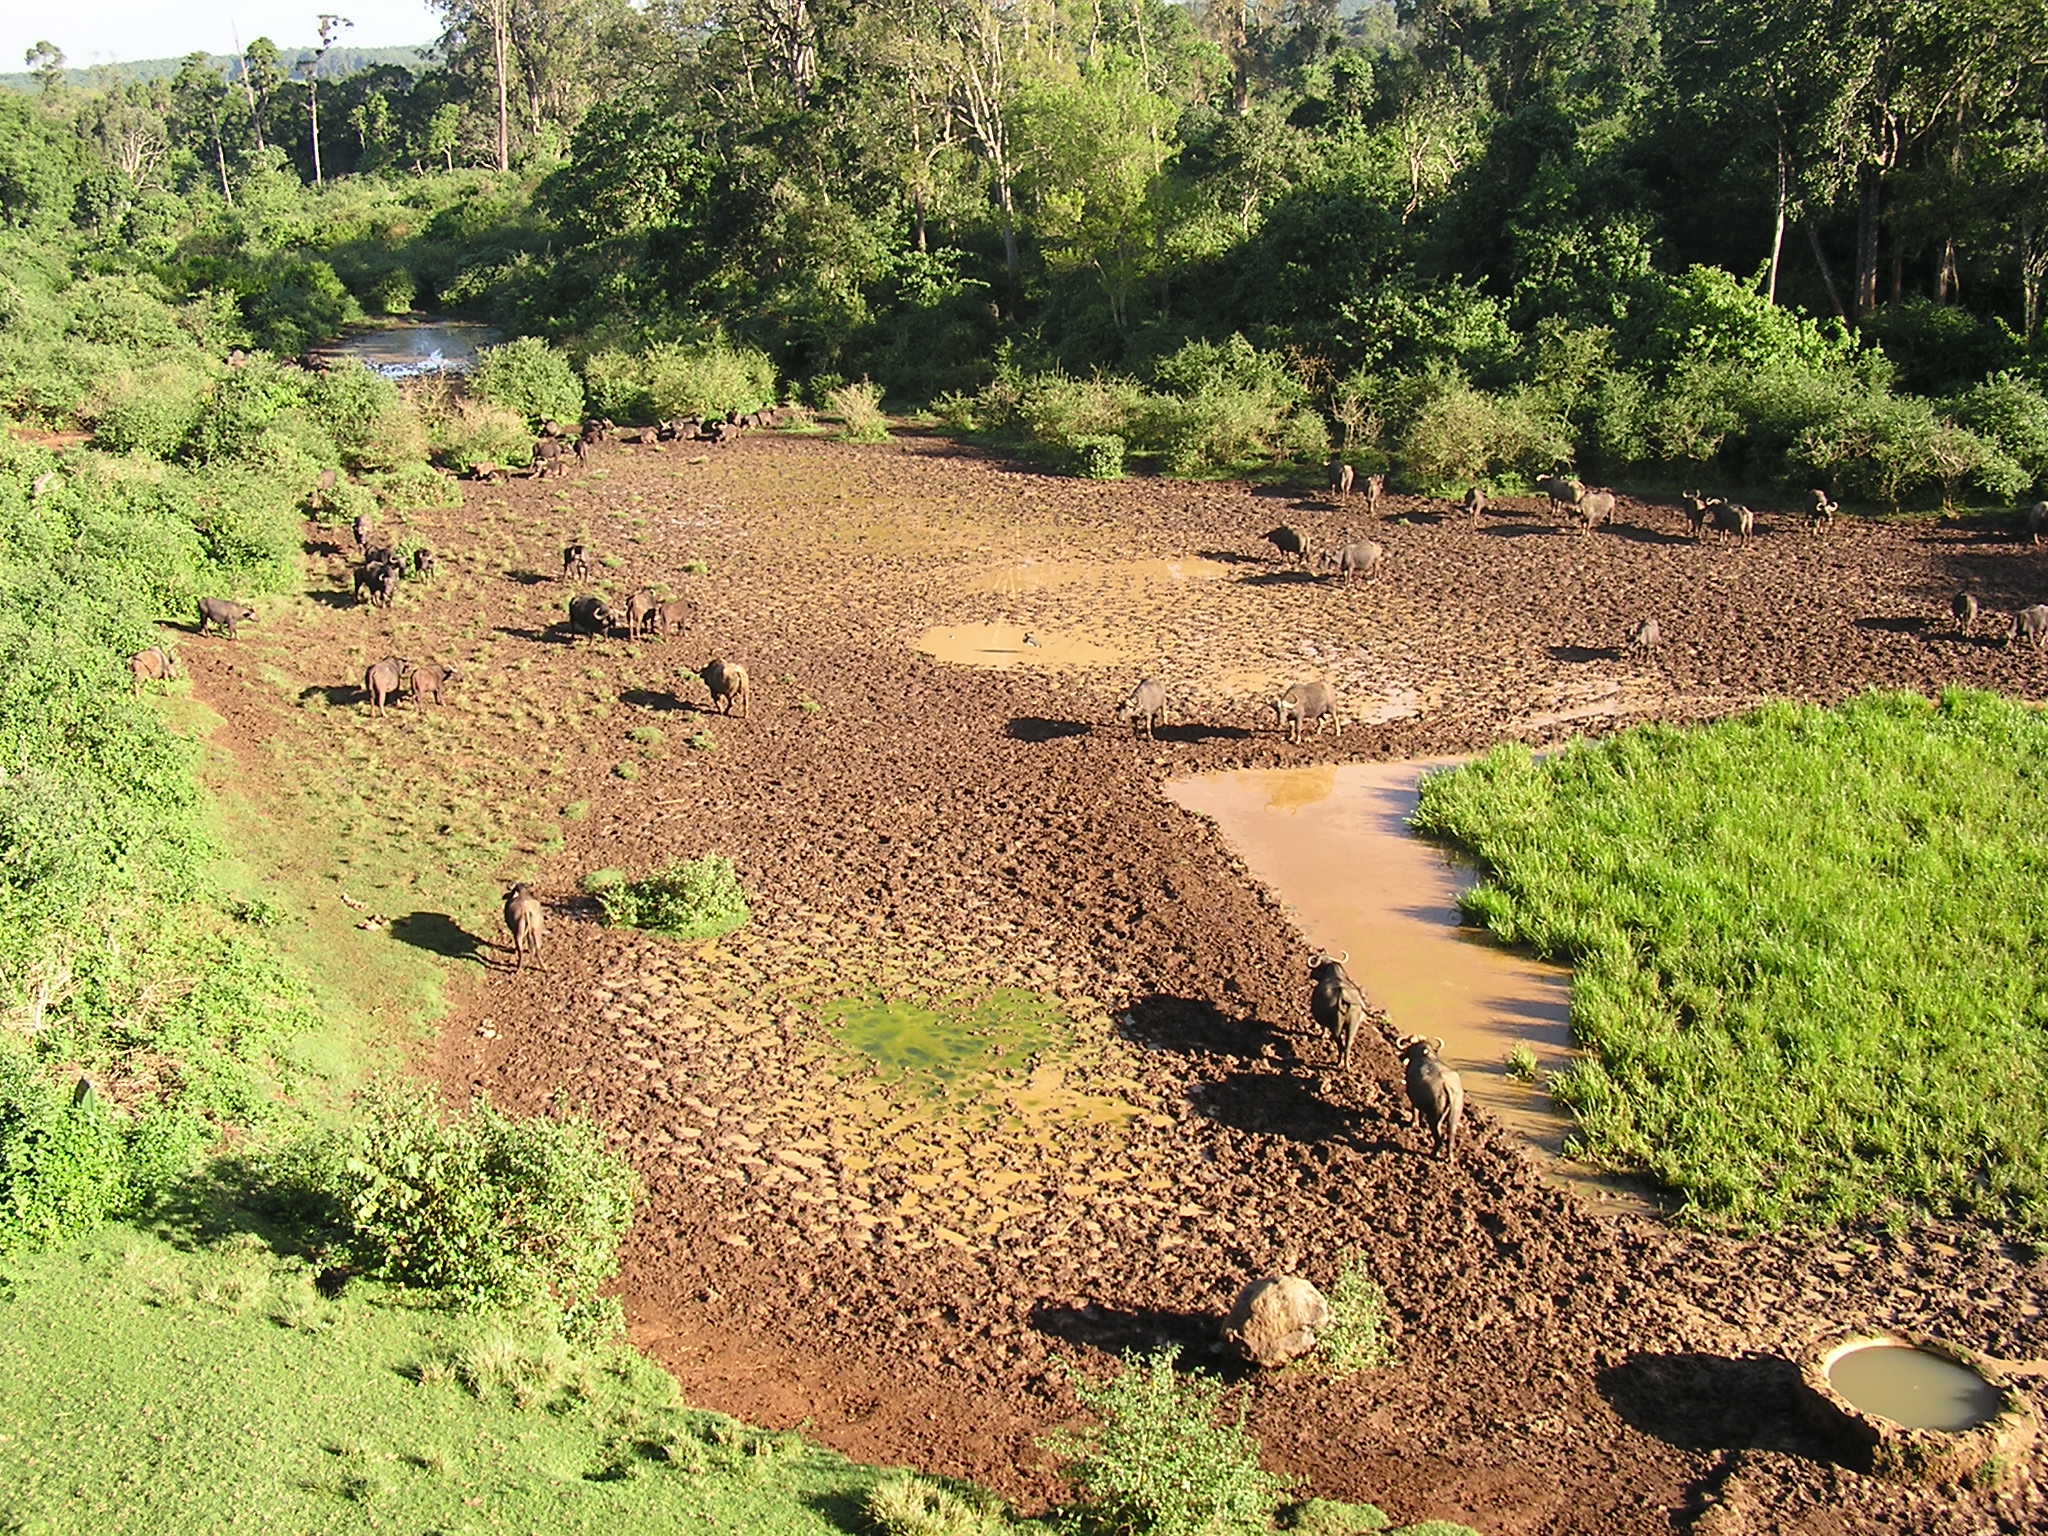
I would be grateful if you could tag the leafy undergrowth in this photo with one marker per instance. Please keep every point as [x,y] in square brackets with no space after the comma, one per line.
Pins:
[1806,945]
[148,1386]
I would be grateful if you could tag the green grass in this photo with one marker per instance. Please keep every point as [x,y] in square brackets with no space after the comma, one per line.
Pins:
[1807,951]
[148,1387]
[696,899]
[1355,1338]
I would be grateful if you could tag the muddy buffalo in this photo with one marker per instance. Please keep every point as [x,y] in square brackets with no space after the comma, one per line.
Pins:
[729,685]
[382,680]
[1302,703]
[640,609]
[1437,1093]
[1362,559]
[523,923]
[1145,707]
[219,613]
[431,678]
[1336,1004]
[154,665]
[575,562]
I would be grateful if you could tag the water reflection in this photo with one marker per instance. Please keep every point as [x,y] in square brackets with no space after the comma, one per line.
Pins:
[1333,842]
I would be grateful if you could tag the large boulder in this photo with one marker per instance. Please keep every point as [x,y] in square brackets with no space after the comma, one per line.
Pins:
[1276,1319]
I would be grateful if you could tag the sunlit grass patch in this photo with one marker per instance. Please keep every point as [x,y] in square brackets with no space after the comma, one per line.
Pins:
[1806,945]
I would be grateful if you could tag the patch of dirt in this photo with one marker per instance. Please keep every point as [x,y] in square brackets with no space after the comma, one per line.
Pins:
[912,1281]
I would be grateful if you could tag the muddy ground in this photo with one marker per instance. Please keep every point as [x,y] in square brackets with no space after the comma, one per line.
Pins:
[908,1270]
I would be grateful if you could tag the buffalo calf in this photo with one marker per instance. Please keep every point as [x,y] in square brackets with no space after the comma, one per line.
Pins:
[224,615]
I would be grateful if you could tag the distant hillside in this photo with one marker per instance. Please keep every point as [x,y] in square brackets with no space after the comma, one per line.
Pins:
[341,60]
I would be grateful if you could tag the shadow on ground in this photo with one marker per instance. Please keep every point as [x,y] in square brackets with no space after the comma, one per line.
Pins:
[440,933]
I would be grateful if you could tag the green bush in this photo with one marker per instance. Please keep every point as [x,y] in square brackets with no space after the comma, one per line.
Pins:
[1355,1339]
[1461,434]
[413,485]
[394,292]
[859,409]
[245,403]
[360,411]
[697,899]
[2011,414]
[466,433]
[482,1207]
[1159,1463]
[530,377]
[61,1168]
[151,412]
[903,1504]
[1099,458]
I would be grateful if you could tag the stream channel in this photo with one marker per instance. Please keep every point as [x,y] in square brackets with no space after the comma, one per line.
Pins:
[407,349]
[1333,843]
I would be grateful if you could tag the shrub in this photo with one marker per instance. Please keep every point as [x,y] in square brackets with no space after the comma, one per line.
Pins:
[1099,458]
[903,1504]
[413,485]
[368,421]
[61,1167]
[482,1207]
[1461,434]
[708,379]
[1159,1462]
[393,292]
[247,402]
[466,433]
[151,412]
[1355,1339]
[697,899]
[859,409]
[2012,415]
[530,377]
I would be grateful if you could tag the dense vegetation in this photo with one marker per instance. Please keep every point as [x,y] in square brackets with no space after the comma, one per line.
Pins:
[1805,949]
[1682,239]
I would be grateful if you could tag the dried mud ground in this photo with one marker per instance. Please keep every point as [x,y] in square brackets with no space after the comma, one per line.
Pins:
[904,1260]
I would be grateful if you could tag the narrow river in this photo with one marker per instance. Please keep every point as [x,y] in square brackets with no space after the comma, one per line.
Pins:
[1333,842]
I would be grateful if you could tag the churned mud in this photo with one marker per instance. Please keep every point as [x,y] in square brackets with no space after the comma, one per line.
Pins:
[1011,1071]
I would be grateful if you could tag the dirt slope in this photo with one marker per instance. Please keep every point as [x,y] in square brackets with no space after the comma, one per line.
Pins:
[908,1276]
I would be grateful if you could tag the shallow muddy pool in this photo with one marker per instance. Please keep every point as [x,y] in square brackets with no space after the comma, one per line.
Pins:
[1005,646]
[1333,842]
[1915,1388]
[405,349]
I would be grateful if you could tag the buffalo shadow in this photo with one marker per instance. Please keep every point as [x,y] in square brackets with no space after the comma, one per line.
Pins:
[1035,729]
[1702,1403]
[440,934]
[1521,530]
[328,597]
[1579,653]
[658,699]
[1913,624]
[335,694]
[1192,1026]
[1195,1337]
[1282,578]
[554,634]
[529,578]
[1232,557]
[1283,1104]
[1193,733]
[1636,533]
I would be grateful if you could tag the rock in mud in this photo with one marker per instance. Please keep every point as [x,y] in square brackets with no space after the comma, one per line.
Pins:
[1276,1319]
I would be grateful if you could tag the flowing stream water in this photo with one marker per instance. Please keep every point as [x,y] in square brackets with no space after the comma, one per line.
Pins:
[405,349]
[1333,842]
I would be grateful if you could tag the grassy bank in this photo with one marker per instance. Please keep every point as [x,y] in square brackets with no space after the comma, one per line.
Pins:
[1806,948]
[150,1386]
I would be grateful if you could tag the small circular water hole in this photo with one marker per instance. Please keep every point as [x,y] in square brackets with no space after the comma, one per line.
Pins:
[1915,1387]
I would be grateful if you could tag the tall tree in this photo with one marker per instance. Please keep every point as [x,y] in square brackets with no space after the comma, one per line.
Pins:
[330,28]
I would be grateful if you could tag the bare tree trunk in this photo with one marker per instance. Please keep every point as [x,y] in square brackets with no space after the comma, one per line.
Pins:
[2033,263]
[313,104]
[249,91]
[220,157]
[1948,280]
[1778,220]
[1240,57]
[1827,274]
[499,61]
[1867,184]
